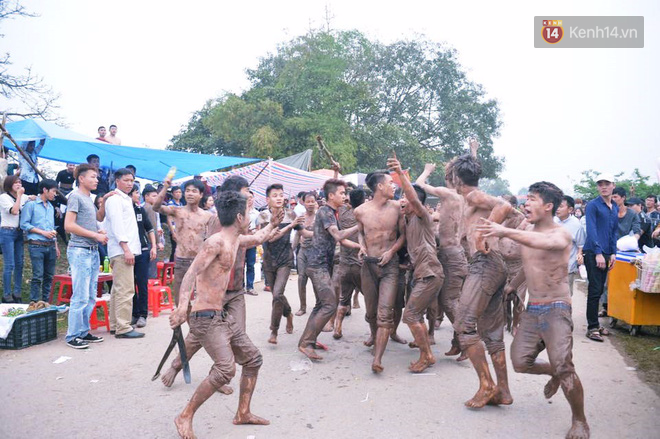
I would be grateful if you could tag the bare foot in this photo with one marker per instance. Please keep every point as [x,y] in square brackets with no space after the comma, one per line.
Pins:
[501,398]
[310,353]
[421,364]
[273,338]
[226,390]
[413,345]
[579,430]
[249,418]
[356,305]
[377,367]
[453,351]
[369,342]
[320,345]
[329,327]
[395,337]
[463,357]
[184,427]
[551,387]
[301,312]
[482,396]
[337,335]
[289,324]
[168,378]
[431,340]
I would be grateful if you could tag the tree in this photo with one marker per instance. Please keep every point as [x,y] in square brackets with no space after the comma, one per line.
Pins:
[365,98]
[34,97]
[636,185]
[495,186]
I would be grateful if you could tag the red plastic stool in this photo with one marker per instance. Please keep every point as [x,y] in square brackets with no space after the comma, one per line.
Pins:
[168,273]
[157,293]
[94,322]
[63,293]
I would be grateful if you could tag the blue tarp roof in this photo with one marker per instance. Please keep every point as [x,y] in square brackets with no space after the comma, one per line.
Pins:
[67,146]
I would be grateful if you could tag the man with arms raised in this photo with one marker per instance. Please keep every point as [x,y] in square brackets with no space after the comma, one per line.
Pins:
[192,224]
[278,258]
[210,326]
[320,259]
[382,234]
[480,315]
[547,323]
[427,271]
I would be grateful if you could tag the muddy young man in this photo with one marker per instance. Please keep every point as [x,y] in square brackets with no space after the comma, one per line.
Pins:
[480,315]
[382,234]
[210,326]
[308,200]
[427,270]
[451,253]
[320,259]
[192,224]
[547,323]
[278,257]
[234,301]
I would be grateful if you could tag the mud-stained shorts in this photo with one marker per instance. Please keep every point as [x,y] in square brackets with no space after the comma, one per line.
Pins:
[235,306]
[422,296]
[480,314]
[347,278]
[455,267]
[380,287]
[181,266]
[226,343]
[546,326]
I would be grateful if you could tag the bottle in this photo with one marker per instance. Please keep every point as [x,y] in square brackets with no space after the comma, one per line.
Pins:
[106,265]
[171,173]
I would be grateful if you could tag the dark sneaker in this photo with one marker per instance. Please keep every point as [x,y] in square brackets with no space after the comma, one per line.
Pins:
[141,322]
[89,338]
[132,334]
[134,321]
[77,343]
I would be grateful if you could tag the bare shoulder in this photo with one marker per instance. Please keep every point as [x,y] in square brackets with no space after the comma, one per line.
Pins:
[478,198]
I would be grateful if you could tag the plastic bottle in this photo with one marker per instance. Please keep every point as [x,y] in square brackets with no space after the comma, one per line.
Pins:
[171,173]
[106,265]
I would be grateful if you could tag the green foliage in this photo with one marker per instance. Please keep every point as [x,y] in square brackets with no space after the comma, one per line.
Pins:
[495,186]
[365,98]
[635,185]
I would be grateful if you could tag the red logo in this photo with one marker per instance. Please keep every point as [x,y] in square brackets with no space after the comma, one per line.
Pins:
[552,31]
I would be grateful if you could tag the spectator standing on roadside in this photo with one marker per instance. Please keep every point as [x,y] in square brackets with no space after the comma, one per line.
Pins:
[599,249]
[645,223]
[143,261]
[38,221]
[82,253]
[123,246]
[565,218]
[11,238]
[103,174]
[628,219]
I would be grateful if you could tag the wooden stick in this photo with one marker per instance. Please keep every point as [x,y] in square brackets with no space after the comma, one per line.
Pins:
[324,149]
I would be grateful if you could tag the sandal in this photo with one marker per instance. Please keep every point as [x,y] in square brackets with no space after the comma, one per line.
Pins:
[603,331]
[594,334]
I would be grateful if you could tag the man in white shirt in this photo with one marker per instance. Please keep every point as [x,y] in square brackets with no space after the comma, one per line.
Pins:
[565,218]
[123,246]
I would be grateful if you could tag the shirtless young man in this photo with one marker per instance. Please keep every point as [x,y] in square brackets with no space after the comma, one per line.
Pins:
[480,315]
[320,259]
[309,201]
[382,234]
[427,270]
[210,326]
[451,254]
[348,277]
[547,322]
[192,223]
[278,257]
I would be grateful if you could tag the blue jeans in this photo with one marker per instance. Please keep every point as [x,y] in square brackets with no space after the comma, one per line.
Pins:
[84,263]
[12,254]
[43,269]
[250,259]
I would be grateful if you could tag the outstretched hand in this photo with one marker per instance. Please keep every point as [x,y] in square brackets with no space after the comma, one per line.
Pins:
[474,146]
[488,228]
[276,219]
[393,165]
[429,168]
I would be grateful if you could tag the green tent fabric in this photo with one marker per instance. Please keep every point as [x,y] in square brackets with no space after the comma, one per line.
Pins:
[67,146]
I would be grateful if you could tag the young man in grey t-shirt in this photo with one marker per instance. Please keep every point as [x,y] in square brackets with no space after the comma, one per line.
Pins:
[82,252]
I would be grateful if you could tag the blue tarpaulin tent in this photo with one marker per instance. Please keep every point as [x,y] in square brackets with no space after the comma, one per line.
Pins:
[67,146]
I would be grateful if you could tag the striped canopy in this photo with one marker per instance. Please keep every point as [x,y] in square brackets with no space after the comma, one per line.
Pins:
[267,172]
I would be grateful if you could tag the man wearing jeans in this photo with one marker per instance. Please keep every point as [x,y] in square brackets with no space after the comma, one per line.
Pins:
[82,252]
[123,246]
[38,221]
[599,249]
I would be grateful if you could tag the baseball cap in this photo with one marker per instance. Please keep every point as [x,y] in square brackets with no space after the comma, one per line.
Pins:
[605,177]
[634,200]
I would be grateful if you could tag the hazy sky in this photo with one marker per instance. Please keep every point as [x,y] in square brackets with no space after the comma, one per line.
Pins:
[146,66]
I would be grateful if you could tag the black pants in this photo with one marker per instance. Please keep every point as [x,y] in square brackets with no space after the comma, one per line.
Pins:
[30,188]
[597,278]
[141,299]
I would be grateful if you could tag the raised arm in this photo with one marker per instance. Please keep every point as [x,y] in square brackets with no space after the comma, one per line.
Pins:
[158,204]
[557,239]
[411,196]
[442,193]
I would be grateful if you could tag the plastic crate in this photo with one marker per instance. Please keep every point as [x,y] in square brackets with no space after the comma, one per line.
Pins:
[648,277]
[31,329]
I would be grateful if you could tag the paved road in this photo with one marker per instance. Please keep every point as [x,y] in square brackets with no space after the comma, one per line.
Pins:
[106,392]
